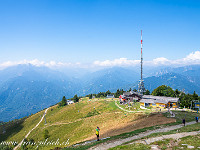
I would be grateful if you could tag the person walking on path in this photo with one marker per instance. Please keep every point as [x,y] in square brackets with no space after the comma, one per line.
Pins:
[184,121]
[97,133]
[197,118]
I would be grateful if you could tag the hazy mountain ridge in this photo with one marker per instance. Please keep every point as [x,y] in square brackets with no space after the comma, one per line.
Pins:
[176,81]
[26,89]
[185,78]
[108,79]
[32,90]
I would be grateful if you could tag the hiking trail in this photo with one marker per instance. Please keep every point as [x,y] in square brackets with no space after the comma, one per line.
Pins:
[114,143]
[15,148]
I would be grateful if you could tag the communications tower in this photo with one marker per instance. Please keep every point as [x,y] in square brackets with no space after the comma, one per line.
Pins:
[141,88]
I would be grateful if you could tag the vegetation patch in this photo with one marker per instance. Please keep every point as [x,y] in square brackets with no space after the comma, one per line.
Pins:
[5,147]
[179,115]
[133,106]
[137,146]
[92,113]
[190,140]
[182,143]
[164,144]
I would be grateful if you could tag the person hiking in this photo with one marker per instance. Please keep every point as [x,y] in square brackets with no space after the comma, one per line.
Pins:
[184,121]
[197,118]
[97,133]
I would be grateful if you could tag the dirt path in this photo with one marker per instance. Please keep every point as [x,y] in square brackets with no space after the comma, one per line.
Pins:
[110,144]
[127,110]
[61,123]
[31,130]
[173,136]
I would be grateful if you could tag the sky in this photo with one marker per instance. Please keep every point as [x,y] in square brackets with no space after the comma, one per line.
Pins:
[99,32]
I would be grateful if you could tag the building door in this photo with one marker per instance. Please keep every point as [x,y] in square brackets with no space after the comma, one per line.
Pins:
[146,104]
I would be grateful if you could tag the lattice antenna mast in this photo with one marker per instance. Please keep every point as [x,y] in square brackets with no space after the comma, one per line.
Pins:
[141,57]
[141,89]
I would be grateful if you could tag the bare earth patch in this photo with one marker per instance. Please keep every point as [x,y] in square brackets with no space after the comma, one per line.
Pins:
[123,127]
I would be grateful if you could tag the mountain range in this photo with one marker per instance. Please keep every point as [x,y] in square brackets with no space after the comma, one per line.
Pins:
[26,89]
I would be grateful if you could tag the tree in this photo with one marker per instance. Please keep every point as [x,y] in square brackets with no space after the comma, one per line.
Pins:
[195,96]
[117,94]
[122,92]
[46,134]
[134,90]
[177,93]
[76,98]
[101,94]
[90,96]
[129,90]
[63,102]
[163,90]
[185,100]
[108,93]
[147,92]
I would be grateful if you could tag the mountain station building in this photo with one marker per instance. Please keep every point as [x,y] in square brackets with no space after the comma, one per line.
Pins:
[110,96]
[130,97]
[149,100]
[197,105]
[159,101]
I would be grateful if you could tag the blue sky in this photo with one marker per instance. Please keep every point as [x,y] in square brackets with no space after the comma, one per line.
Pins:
[88,31]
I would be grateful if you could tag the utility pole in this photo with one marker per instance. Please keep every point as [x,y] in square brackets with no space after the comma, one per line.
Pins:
[45,119]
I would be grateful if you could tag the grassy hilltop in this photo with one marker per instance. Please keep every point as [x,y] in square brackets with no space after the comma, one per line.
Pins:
[77,122]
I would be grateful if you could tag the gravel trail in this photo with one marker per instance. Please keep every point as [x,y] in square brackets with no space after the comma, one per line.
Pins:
[114,143]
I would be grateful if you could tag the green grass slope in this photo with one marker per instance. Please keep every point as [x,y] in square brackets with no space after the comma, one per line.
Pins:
[16,130]
[76,123]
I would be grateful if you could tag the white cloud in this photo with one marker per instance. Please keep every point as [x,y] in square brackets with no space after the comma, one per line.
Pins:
[36,62]
[117,62]
[192,58]
[128,62]
[7,64]
[160,60]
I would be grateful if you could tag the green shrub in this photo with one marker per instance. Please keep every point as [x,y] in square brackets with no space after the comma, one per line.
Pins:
[46,134]
[5,147]
[93,113]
